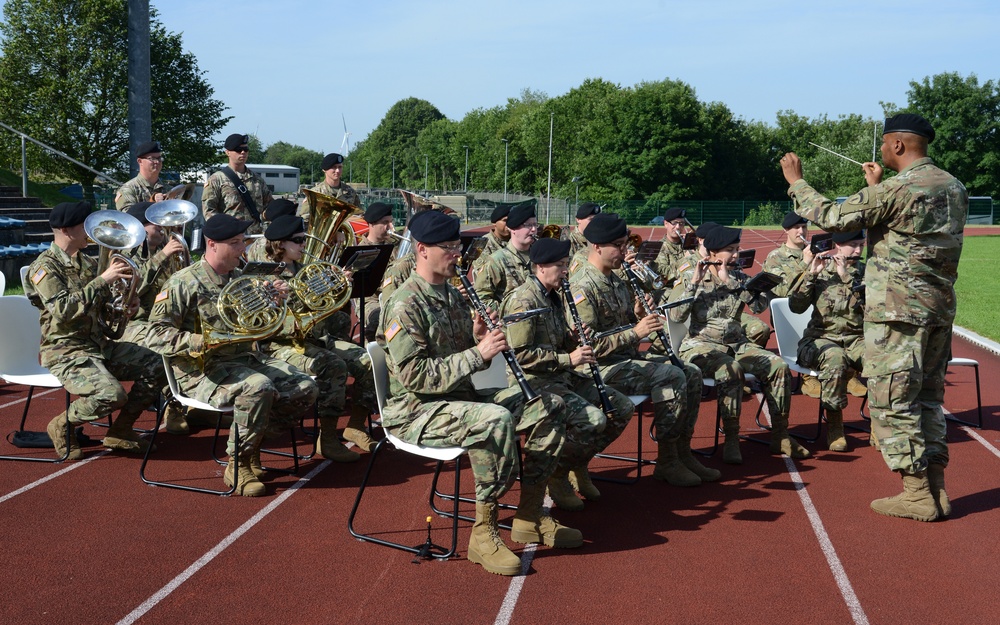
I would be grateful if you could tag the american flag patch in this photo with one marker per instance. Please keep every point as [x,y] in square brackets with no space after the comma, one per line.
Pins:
[683,267]
[579,297]
[38,276]
[572,268]
[162,295]
[392,330]
[387,281]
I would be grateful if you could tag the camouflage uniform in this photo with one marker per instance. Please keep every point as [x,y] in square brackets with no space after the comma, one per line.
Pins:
[396,274]
[154,270]
[577,243]
[787,263]
[542,345]
[372,306]
[344,192]
[915,222]
[257,250]
[266,393]
[505,270]
[137,190]
[493,244]
[668,260]
[70,295]
[220,196]
[755,329]
[427,334]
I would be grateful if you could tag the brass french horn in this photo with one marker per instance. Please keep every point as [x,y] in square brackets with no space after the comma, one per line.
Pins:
[251,309]
[114,230]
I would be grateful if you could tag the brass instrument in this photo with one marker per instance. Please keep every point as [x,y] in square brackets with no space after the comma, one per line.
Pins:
[114,230]
[169,214]
[329,216]
[550,231]
[251,308]
[321,289]
[405,242]
[180,192]
[641,268]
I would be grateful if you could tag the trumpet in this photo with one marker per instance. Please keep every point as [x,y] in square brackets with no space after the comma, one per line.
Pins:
[642,270]
[169,214]
[113,230]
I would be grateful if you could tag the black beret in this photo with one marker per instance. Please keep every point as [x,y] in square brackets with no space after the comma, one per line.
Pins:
[221,226]
[376,211]
[791,220]
[430,227]
[499,213]
[674,213]
[702,231]
[148,147]
[520,214]
[235,141]
[138,210]
[847,237]
[720,237]
[909,122]
[587,209]
[330,160]
[549,250]
[284,227]
[279,207]
[69,214]
[605,228]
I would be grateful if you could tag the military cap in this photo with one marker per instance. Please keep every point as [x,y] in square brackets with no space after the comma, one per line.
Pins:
[909,122]
[69,214]
[330,160]
[277,208]
[221,226]
[284,227]
[549,250]
[234,141]
[720,237]
[376,211]
[587,209]
[605,228]
[674,213]
[149,147]
[847,237]
[499,213]
[791,220]
[520,214]
[431,227]
[702,231]
[138,210]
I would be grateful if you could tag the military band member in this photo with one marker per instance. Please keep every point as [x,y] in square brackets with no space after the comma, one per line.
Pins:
[497,237]
[267,394]
[509,267]
[222,196]
[396,274]
[584,213]
[277,208]
[605,302]
[833,343]
[792,257]
[672,254]
[332,185]
[146,186]
[64,285]
[433,348]
[378,216]
[915,222]
[717,344]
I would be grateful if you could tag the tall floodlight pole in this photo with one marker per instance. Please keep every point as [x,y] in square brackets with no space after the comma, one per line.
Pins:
[576,180]
[548,186]
[393,172]
[465,184]
[506,147]
[425,172]
[140,127]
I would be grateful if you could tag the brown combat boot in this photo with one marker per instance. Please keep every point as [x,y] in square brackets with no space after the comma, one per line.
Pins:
[174,419]
[121,436]
[782,442]
[356,430]
[57,432]
[255,464]
[915,502]
[485,545]
[247,483]
[532,525]
[811,386]
[670,469]
[856,387]
[329,445]
[562,493]
[704,473]
[835,438]
[579,478]
[731,448]
[935,478]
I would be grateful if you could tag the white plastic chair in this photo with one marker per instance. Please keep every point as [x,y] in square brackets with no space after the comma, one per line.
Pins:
[968,362]
[3,282]
[20,343]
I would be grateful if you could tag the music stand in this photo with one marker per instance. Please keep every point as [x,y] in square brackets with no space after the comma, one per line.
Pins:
[368,262]
[648,251]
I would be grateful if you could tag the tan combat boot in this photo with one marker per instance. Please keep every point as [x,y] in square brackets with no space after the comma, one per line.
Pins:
[562,493]
[356,430]
[329,445]
[532,525]
[856,387]
[247,483]
[174,419]
[705,474]
[57,432]
[485,546]
[935,478]
[782,442]
[811,386]
[121,436]
[255,464]
[579,478]
[915,502]
[731,448]
[669,468]
[835,438]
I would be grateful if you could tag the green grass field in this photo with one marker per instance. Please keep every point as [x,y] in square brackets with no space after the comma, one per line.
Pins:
[977,291]
[48,192]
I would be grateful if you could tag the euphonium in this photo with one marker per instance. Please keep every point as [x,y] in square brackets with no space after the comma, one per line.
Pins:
[114,230]
[405,242]
[251,309]
[641,268]
[328,217]
[551,231]
[169,214]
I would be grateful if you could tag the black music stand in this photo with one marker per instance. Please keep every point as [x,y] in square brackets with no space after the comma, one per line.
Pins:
[648,251]
[368,262]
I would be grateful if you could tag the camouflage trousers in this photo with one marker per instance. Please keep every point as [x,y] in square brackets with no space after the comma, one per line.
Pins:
[675,393]
[359,367]
[265,393]
[833,360]
[756,330]
[96,380]
[544,425]
[329,370]
[906,365]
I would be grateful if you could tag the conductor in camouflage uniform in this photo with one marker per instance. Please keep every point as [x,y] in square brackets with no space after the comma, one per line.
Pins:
[146,186]
[332,185]
[221,196]
[551,358]
[605,303]
[64,285]
[509,267]
[915,222]
[432,348]
[267,394]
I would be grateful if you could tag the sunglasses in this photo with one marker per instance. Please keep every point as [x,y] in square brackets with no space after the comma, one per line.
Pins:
[298,240]
[241,149]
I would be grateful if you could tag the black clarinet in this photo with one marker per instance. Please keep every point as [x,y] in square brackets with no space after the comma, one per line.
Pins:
[602,391]
[660,334]
[530,396]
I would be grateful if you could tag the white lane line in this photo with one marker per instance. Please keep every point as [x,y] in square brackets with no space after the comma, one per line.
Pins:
[201,562]
[514,590]
[977,339]
[974,434]
[40,481]
[19,401]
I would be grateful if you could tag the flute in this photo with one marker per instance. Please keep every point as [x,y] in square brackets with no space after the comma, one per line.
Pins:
[595,371]
[660,334]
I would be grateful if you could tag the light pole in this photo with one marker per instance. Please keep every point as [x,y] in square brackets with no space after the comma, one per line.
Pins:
[393,172]
[577,180]
[368,174]
[425,172]
[465,184]
[506,147]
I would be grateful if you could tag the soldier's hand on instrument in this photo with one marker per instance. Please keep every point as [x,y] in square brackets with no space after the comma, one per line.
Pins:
[583,355]
[173,247]
[117,270]
[281,287]
[630,256]
[348,275]
[873,173]
[807,255]
[158,197]
[648,324]
[492,344]
[699,272]
[196,345]
[133,307]
[791,167]
[841,264]
[816,264]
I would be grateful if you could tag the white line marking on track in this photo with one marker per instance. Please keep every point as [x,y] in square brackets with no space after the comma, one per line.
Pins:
[514,590]
[974,434]
[19,401]
[200,563]
[53,476]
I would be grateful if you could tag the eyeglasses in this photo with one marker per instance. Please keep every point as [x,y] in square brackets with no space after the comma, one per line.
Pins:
[455,248]
[152,159]
[298,240]
[241,150]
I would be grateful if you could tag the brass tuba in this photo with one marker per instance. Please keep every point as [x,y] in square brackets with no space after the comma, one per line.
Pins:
[114,230]
[180,192]
[328,217]
[169,214]
[251,309]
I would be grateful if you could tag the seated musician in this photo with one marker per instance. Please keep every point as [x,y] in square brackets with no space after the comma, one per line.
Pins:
[551,358]
[834,341]
[218,366]
[578,242]
[378,216]
[277,208]
[717,344]
[497,237]
[509,267]
[605,302]
[64,285]
[432,348]
[672,254]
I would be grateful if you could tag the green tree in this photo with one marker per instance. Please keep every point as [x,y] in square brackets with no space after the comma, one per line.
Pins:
[308,161]
[396,138]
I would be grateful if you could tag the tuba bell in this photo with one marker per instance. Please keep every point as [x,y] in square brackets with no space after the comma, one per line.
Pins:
[328,218]
[114,230]
[181,192]
[551,231]
[169,214]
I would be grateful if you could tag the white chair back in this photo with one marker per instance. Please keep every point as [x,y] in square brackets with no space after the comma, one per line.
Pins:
[21,337]
[788,327]
[493,377]
[677,331]
[24,278]
[380,371]
[3,282]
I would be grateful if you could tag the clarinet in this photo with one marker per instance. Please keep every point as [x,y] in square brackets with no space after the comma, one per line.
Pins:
[530,396]
[602,391]
[660,334]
